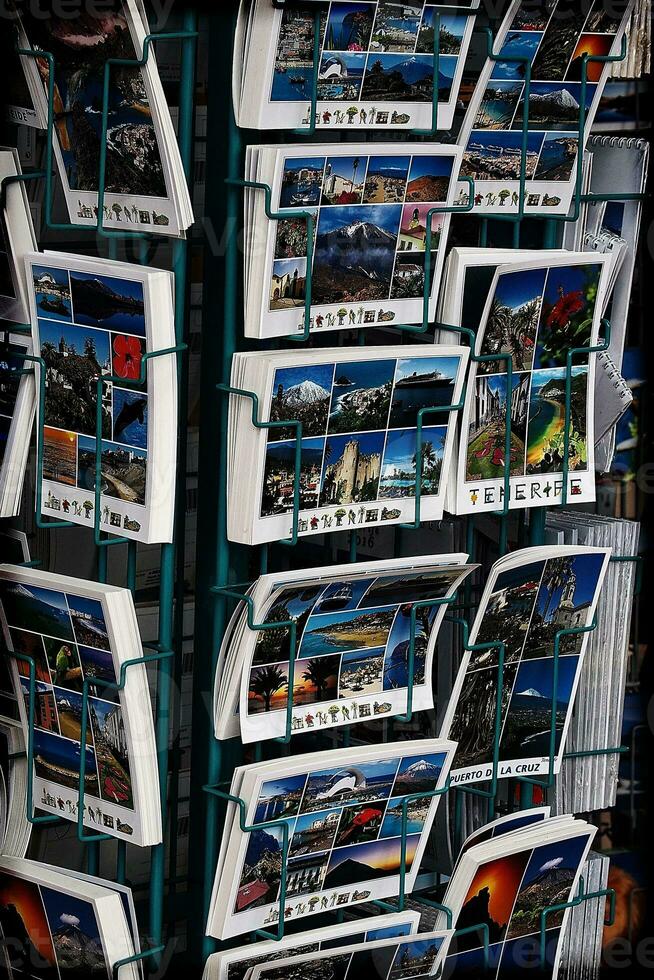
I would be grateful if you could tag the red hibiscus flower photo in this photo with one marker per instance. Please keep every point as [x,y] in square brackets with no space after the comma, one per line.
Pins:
[127,356]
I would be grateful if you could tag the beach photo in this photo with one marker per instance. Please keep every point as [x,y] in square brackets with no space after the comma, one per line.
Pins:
[567,589]
[57,760]
[528,720]
[60,456]
[344,180]
[498,105]
[517,44]
[422,383]
[418,774]
[268,688]
[513,319]
[36,609]
[351,468]
[361,673]
[554,105]
[508,614]
[417,811]
[450,36]
[355,253]
[301,182]
[112,752]
[401,78]
[567,313]
[107,302]
[386,180]
[69,712]
[75,358]
[359,824]
[396,26]
[314,832]
[279,476]
[401,455]
[343,631]
[123,470]
[365,783]
[497,155]
[368,862]
[301,394]
[349,26]
[429,179]
[558,157]
[288,283]
[51,293]
[315,679]
[545,438]
[340,76]
[361,395]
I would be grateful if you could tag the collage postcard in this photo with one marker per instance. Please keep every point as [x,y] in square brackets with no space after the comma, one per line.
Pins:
[536,313]
[376,64]
[374,429]
[97,322]
[369,261]
[551,46]
[511,706]
[331,823]
[77,634]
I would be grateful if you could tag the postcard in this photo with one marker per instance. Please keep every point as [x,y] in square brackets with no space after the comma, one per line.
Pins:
[62,925]
[532,597]
[145,187]
[352,655]
[370,263]
[68,629]
[17,410]
[15,829]
[343,811]
[502,887]
[361,455]
[16,238]
[236,964]
[375,67]
[416,956]
[94,320]
[535,313]
[552,39]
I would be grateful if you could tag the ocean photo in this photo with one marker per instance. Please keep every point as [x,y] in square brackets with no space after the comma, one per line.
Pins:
[107,302]
[497,154]
[422,382]
[51,292]
[39,610]
[340,75]
[545,434]
[301,182]
[398,477]
[517,44]
[361,395]
[498,105]
[348,630]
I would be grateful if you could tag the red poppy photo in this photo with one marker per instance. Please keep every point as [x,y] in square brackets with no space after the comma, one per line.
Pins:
[126,357]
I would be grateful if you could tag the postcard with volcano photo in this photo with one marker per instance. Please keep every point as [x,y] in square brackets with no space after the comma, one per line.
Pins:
[352,659]
[535,313]
[69,630]
[369,255]
[94,320]
[553,39]
[344,813]
[376,64]
[531,597]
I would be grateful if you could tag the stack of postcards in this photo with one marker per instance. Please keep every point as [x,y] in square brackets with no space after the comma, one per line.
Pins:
[369,430]
[368,260]
[64,922]
[589,783]
[583,939]
[97,320]
[555,43]
[17,389]
[375,64]
[145,187]
[531,601]
[15,828]
[70,637]
[344,636]
[332,825]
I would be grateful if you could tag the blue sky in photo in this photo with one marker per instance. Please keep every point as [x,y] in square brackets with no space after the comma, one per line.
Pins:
[422,166]
[305,821]
[574,88]
[558,854]
[124,287]
[543,375]
[338,13]
[351,59]
[390,932]
[60,276]
[517,43]
[320,374]
[356,656]
[366,374]
[371,770]
[294,164]
[62,752]
[369,442]
[286,450]
[325,620]
[75,336]
[538,675]
[496,382]
[587,569]
[61,909]
[283,266]
[514,289]
[280,787]
[453,23]
[401,446]
[418,947]
[448,366]
[572,278]
[49,596]
[340,216]
[518,576]
[91,607]
[344,167]
[435,759]
[391,60]
[102,709]
[85,443]
[358,588]
[389,166]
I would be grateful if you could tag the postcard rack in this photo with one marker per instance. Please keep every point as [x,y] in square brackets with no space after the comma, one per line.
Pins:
[222,567]
[155,924]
